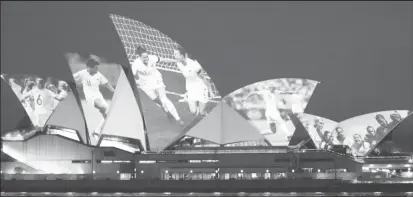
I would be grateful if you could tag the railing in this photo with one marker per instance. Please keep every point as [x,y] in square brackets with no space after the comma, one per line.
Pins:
[389,157]
[217,151]
[244,150]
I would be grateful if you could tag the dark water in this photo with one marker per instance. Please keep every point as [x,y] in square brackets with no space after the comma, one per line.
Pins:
[307,194]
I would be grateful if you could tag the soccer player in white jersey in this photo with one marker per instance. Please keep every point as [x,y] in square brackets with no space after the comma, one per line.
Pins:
[272,112]
[151,82]
[17,89]
[196,85]
[91,80]
[62,91]
[43,102]
[27,100]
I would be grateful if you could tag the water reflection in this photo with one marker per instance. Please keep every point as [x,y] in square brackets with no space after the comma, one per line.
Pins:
[192,194]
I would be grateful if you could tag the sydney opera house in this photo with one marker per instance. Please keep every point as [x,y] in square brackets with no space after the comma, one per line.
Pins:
[154,113]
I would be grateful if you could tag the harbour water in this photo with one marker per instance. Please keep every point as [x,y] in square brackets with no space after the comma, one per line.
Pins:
[167,194]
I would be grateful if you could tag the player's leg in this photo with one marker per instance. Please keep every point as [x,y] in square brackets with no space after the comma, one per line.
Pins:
[30,112]
[197,99]
[202,102]
[42,117]
[102,106]
[97,132]
[158,102]
[193,107]
[192,101]
[273,127]
[153,95]
[35,118]
[150,91]
[168,104]
[276,122]
[272,122]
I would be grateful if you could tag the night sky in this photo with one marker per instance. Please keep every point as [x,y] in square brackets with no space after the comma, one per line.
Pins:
[361,52]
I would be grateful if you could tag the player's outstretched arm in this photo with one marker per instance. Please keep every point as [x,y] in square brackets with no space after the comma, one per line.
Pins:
[61,96]
[250,94]
[78,77]
[25,96]
[184,97]
[105,82]
[109,87]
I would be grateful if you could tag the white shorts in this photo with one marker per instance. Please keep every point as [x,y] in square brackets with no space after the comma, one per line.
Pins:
[32,115]
[150,87]
[199,94]
[90,98]
[42,118]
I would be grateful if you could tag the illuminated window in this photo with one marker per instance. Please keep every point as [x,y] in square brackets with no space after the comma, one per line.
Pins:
[148,161]
[81,161]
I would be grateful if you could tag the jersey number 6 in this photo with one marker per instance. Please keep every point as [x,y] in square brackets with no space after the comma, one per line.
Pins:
[39,100]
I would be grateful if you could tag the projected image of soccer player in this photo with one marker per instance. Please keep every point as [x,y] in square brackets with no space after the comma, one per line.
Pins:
[340,137]
[28,100]
[15,86]
[62,91]
[359,146]
[382,130]
[197,87]
[44,102]
[319,125]
[371,136]
[42,99]
[273,106]
[396,118]
[150,81]
[21,89]
[272,113]
[91,80]
[37,96]
[364,132]
[327,141]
